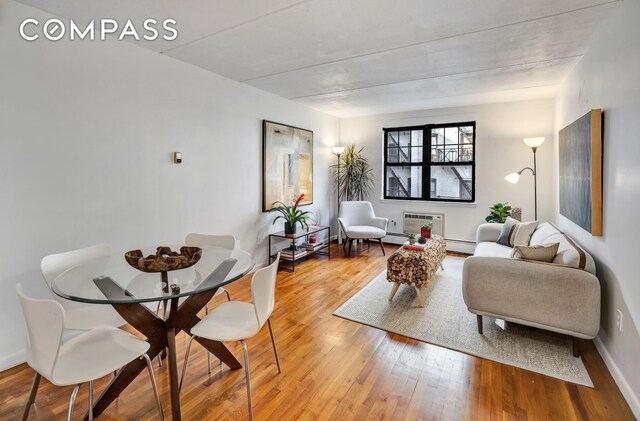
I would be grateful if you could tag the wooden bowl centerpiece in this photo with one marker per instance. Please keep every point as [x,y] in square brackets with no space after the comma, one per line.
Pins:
[164,260]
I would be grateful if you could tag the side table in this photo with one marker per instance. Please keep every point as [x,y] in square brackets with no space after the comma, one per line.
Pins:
[323,247]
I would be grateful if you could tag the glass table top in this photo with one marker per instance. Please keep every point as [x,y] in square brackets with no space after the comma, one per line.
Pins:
[77,283]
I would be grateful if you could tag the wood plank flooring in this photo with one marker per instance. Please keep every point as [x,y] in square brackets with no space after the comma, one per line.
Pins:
[334,369]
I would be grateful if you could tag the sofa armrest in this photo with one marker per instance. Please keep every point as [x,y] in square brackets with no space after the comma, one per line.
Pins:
[379,222]
[488,233]
[543,294]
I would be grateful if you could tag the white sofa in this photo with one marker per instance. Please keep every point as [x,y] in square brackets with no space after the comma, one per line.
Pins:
[562,296]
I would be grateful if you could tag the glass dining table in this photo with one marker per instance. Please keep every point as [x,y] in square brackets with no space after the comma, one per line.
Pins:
[111,281]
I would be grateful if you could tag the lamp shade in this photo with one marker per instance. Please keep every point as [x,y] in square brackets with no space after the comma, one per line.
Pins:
[513,177]
[337,149]
[533,142]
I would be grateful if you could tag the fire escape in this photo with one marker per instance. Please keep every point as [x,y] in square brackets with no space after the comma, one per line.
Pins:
[404,158]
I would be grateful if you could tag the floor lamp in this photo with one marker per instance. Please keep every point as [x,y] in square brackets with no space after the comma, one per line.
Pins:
[337,150]
[533,143]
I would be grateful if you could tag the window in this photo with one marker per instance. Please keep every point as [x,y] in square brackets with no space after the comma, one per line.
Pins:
[440,156]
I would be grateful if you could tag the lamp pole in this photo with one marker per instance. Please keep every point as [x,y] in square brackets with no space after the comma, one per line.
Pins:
[535,184]
[338,184]
[533,143]
[337,150]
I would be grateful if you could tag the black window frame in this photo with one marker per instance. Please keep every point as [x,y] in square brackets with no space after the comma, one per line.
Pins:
[426,163]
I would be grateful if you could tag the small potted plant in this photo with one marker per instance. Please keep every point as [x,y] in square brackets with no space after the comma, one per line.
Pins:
[425,231]
[412,239]
[292,215]
[499,213]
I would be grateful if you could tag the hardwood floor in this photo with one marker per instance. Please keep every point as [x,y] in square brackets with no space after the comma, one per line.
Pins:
[340,370]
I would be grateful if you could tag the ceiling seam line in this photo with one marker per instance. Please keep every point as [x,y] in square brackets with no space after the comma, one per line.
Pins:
[425,42]
[236,26]
[436,77]
[455,106]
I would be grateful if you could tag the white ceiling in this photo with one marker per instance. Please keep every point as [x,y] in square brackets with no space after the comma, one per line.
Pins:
[356,57]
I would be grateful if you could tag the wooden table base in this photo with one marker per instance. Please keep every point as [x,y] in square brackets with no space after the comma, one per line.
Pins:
[396,285]
[161,335]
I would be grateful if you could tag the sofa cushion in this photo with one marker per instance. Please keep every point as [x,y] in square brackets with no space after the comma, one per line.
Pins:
[523,232]
[540,252]
[542,234]
[489,249]
[508,228]
[569,253]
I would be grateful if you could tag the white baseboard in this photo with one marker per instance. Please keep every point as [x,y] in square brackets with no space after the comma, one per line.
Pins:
[12,360]
[626,390]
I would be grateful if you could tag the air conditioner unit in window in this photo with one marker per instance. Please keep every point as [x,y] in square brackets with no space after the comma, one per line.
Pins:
[413,221]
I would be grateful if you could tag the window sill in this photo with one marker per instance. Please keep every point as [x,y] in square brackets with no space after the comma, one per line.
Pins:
[432,203]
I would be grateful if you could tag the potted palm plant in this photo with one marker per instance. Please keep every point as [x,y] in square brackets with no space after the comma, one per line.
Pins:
[292,215]
[353,175]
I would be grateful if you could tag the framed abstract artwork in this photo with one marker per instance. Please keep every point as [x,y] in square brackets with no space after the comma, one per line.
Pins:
[287,164]
[580,161]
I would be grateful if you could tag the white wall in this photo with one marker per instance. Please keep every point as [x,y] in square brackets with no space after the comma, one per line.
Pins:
[608,77]
[87,132]
[500,150]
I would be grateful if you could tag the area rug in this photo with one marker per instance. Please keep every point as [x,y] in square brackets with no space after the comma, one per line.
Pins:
[445,321]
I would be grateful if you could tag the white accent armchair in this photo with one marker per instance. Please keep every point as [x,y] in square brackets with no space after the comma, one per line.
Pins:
[358,222]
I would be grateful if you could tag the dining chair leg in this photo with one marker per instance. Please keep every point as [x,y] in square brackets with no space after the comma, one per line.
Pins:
[72,401]
[186,360]
[158,314]
[246,371]
[273,342]
[32,395]
[206,311]
[90,413]
[154,385]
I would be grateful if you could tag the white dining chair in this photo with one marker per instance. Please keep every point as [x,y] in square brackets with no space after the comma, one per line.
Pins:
[80,316]
[202,240]
[238,320]
[83,359]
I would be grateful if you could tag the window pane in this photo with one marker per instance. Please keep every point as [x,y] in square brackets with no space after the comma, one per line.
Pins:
[404,182]
[416,138]
[392,155]
[451,182]
[405,138]
[392,139]
[451,136]
[416,154]
[466,134]
[437,136]
[404,154]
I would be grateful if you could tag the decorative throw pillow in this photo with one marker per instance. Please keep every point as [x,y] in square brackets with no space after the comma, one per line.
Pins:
[508,227]
[523,232]
[540,253]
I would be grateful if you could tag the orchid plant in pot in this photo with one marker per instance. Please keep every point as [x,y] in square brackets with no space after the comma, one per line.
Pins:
[292,215]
